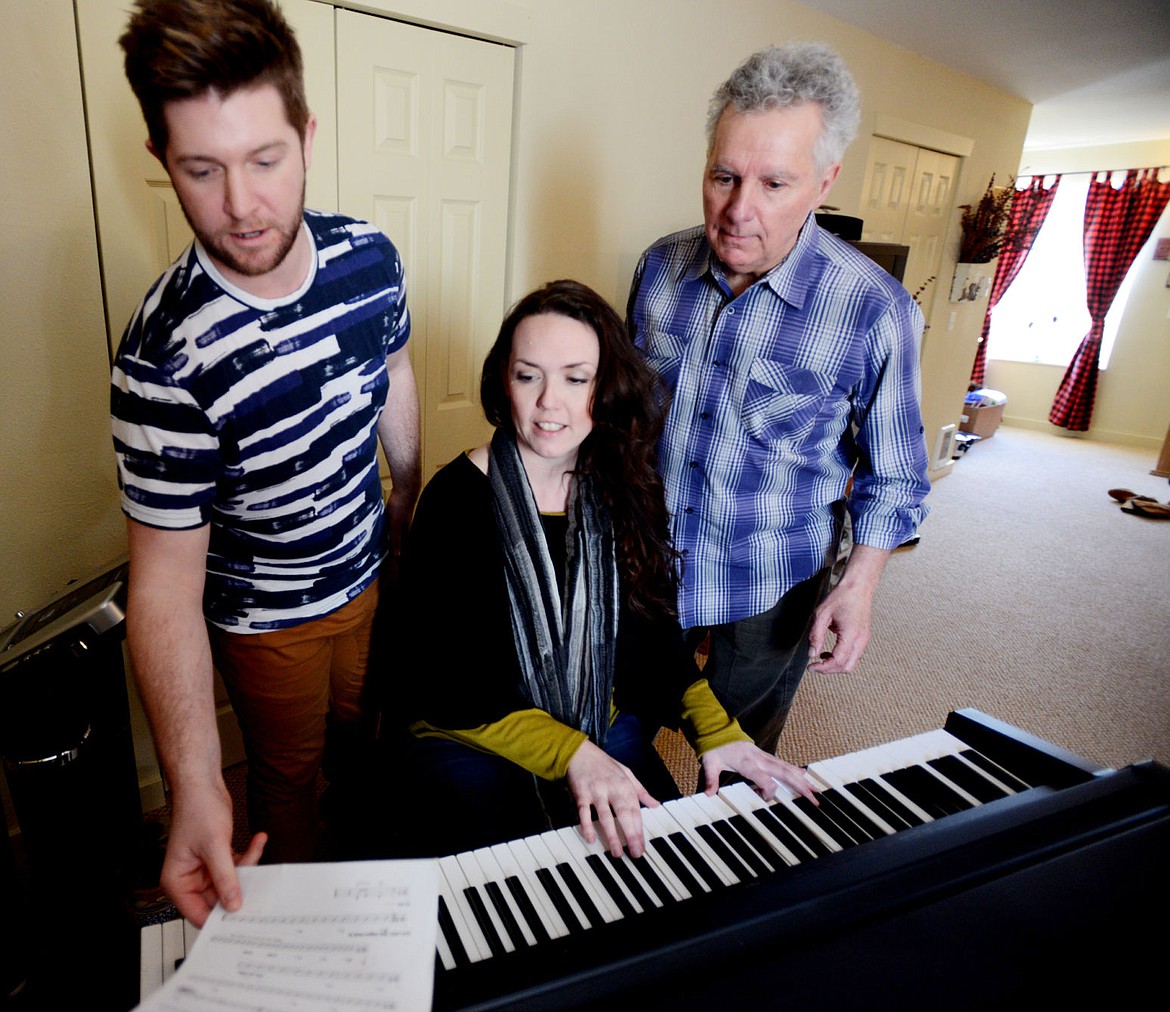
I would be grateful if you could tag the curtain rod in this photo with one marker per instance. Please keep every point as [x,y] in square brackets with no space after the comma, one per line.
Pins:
[1095,172]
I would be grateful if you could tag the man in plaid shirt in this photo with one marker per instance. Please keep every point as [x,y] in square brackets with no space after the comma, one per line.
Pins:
[791,360]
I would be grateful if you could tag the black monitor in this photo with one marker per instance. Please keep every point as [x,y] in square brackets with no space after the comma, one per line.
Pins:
[891,256]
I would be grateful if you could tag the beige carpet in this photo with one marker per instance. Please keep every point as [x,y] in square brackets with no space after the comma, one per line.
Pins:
[1031,596]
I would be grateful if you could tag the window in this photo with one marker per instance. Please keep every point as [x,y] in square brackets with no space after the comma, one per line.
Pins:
[1042,316]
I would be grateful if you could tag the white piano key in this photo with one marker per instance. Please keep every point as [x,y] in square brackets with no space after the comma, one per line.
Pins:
[631,864]
[918,810]
[871,764]
[581,850]
[443,951]
[689,817]
[451,886]
[516,859]
[785,796]
[562,849]
[150,961]
[545,860]
[827,779]
[716,809]
[174,947]
[1002,784]
[660,824]
[745,801]
[190,936]
[962,792]
[494,873]
[477,880]
[659,866]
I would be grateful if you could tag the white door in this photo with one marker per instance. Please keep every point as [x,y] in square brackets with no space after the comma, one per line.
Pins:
[907,198]
[141,228]
[424,127]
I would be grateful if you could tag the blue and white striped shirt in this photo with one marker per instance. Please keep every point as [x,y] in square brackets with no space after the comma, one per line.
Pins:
[777,397]
[260,418]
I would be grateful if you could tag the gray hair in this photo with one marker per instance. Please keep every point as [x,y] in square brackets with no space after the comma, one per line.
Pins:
[778,77]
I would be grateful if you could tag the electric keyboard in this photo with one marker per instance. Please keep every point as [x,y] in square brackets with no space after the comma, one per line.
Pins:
[963,859]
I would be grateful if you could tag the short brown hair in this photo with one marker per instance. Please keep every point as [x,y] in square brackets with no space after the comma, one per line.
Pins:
[180,49]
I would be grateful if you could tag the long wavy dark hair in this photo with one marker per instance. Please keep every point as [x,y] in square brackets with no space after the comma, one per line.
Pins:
[620,455]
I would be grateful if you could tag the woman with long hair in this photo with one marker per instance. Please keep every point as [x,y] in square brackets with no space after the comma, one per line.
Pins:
[537,602]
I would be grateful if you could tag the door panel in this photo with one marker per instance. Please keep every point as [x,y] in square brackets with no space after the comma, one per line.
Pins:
[141,228]
[908,196]
[424,128]
[887,189]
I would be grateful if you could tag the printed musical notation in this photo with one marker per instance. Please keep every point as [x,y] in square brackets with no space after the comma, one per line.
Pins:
[318,937]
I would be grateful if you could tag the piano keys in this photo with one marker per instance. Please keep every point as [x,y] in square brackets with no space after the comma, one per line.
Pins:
[919,848]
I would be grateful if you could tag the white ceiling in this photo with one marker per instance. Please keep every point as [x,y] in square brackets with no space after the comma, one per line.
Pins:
[1096,71]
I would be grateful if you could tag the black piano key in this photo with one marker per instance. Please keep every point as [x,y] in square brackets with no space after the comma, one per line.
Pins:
[650,877]
[663,847]
[926,791]
[697,861]
[484,920]
[504,911]
[447,926]
[745,850]
[564,907]
[826,822]
[995,770]
[580,894]
[792,823]
[876,792]
[621,867]
[724,852]
[861,827]
[773,827]
[528,909]
[606,877]
[748,831]
[972,781]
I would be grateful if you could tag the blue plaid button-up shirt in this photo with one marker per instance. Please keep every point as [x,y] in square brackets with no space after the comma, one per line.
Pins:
[777,397]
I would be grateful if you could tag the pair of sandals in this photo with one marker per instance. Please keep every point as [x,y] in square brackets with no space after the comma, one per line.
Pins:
[1140,505]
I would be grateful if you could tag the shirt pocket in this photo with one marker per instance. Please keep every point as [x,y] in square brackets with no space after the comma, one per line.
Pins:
[664,354]
[782,402]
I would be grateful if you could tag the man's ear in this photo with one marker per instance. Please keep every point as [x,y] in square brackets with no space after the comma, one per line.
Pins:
[828,180]
[154,151]
[307,147]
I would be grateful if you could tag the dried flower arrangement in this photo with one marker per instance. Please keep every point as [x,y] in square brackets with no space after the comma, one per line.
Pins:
[985,225]
[922,288]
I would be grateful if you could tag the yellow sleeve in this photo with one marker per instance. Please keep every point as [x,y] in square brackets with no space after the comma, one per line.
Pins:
[532,739]
[706,724]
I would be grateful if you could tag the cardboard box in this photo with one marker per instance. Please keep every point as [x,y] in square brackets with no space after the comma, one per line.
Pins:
[983,421]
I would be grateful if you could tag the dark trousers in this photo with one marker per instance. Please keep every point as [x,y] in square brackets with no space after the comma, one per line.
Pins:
[754,665]
[465,798]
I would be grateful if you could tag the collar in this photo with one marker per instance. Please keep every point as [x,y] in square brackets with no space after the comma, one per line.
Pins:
[792,279]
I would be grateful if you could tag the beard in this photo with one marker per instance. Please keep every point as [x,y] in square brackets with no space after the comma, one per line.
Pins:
[242,262]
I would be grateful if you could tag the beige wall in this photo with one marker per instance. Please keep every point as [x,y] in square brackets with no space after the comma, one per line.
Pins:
[59,516]
[1133,394]
[610,103]
[611,100]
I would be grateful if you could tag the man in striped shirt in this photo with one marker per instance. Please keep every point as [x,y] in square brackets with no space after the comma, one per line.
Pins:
[249,395]
[791,361]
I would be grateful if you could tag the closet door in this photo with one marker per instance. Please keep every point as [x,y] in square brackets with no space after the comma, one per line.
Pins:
[424,134]
[907,197]
[141,228]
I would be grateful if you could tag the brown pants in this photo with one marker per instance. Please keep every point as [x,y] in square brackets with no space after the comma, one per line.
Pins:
[282,686]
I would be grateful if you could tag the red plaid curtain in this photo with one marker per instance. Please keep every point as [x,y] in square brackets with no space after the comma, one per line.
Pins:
[1117,224]
[1029,209]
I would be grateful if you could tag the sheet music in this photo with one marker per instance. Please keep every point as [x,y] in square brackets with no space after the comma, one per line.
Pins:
[346,935]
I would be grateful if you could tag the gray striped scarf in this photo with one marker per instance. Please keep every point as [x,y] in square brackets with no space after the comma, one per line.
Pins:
[565,647]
